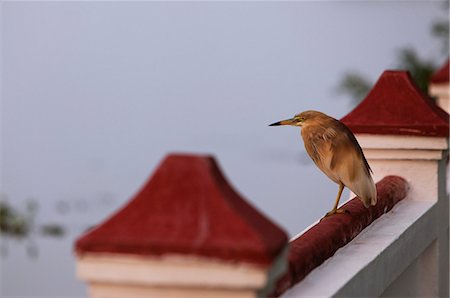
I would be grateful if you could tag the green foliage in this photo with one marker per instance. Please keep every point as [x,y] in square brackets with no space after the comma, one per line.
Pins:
[421,70]
[19,224]
[11,222]
[357,85]
[441,31]
[54,230]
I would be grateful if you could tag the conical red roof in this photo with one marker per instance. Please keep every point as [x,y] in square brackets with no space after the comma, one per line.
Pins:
[188,207]
[441,76]
[396,106]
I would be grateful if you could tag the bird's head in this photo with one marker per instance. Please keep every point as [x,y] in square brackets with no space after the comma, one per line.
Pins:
[301,119]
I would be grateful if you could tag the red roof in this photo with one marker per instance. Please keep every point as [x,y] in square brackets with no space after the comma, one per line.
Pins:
[188,207]
[441,76]
[396,106]
[321,241]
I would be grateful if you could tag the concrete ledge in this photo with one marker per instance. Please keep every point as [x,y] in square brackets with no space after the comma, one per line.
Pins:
[376,257]
[322,240]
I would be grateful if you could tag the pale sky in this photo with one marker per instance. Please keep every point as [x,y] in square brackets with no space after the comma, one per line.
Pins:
[94,95]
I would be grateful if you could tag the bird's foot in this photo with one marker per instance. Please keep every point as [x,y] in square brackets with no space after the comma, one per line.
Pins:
[336,211]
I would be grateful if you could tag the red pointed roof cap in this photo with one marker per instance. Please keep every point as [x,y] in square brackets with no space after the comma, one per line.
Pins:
[396,106]
[441,76]
[188,207]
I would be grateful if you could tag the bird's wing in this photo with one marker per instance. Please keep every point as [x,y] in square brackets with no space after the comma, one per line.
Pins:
[352,167]
[351,137]
[318,144]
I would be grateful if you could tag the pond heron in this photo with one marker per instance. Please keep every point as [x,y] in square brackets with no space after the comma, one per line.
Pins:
[335,150]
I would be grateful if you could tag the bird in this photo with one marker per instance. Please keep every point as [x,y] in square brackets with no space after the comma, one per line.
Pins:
[336,152]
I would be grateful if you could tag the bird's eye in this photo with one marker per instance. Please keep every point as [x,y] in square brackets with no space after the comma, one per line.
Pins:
[300,119]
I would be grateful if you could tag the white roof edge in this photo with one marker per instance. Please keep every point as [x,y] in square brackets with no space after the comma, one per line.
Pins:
[370,141]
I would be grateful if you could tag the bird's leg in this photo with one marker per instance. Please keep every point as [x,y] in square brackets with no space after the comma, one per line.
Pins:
[336,203]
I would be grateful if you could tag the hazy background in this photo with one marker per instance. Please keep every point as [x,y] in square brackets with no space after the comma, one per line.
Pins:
[94,95]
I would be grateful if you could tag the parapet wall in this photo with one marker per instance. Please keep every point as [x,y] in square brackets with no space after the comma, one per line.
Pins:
[187,232]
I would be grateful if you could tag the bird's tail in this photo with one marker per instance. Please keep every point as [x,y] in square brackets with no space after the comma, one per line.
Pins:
[366,191]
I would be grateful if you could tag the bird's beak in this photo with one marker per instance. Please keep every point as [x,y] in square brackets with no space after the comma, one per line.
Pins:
[291,121]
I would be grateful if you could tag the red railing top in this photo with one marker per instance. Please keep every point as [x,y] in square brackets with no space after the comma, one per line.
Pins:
[396,106]
[321,241]
[187,207]
[441,76]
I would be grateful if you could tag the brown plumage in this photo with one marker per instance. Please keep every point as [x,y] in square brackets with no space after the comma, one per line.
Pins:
[336,152]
